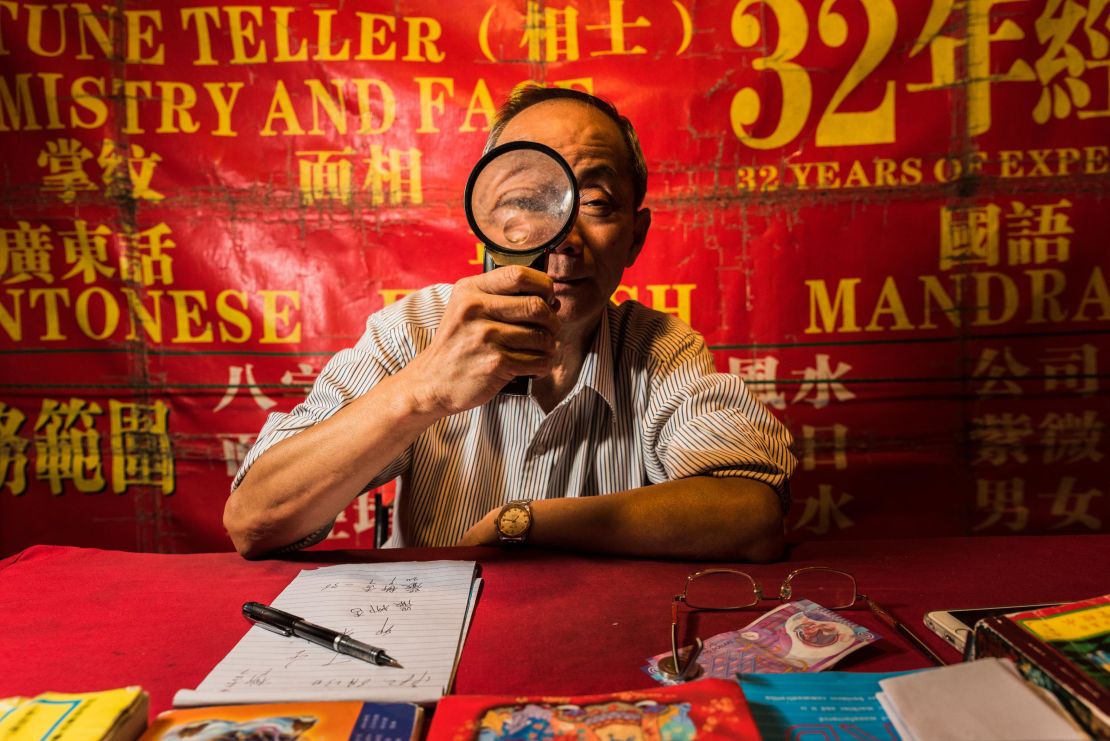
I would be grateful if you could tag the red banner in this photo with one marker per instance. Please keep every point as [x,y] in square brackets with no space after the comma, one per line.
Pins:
[889,219]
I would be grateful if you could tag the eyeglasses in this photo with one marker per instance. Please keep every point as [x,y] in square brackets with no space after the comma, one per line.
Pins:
[728,589]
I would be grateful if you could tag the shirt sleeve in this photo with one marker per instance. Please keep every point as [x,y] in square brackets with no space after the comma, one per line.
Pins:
[381,351]
[703,423]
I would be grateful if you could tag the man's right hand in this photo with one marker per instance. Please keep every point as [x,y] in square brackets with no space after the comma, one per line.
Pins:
[497,325]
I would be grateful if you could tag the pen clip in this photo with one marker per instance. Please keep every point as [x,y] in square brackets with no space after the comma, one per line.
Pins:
[273,628]
[257,614]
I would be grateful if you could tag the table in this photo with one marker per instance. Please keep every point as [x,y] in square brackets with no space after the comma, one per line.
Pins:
[75,619]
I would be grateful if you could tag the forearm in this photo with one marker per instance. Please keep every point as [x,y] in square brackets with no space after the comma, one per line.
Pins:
[302,483]
[495,326]
[698,518]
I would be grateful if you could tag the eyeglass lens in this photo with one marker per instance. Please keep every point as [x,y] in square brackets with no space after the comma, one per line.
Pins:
[724,589]
[829,588]
[721,590]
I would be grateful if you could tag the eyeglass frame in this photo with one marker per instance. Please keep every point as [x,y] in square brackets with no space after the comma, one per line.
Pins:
[682,671]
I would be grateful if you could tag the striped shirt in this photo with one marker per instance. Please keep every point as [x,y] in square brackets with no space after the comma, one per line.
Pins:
[647,407]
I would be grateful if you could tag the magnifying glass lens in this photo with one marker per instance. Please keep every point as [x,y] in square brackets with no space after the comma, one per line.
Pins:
[521,200]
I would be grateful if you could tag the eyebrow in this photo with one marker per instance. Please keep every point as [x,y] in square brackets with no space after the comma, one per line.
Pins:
[494,188]
[598,172]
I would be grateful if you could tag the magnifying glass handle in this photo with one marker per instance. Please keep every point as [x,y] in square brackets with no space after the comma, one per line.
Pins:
[540,263]
[521,385]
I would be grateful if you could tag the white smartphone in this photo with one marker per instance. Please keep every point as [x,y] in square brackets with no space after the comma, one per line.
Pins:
[956,626]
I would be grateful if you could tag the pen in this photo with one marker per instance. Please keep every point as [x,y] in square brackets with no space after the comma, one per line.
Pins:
[283,623]
[890,620]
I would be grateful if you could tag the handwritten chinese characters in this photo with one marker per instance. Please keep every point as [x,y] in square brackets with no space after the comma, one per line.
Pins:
[417,611]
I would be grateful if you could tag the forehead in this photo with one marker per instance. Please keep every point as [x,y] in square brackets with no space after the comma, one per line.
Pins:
[574,129]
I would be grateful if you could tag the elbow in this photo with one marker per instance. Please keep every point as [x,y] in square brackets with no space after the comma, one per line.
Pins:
[766,546]
[761,528]
[264,529]
[245,531]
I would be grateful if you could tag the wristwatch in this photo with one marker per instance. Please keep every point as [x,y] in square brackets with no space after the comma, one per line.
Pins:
[514,521]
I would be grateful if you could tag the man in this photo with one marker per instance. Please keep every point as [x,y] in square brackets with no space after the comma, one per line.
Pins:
[625,400]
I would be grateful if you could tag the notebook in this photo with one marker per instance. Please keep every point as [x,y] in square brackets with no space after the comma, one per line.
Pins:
[417,611]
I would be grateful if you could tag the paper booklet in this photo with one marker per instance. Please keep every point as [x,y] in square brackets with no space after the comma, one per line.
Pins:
[984,699]
[418,612]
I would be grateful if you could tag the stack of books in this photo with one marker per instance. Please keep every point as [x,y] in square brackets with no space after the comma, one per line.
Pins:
[1064,649]
[352,721]
[1041,674]
[109,715]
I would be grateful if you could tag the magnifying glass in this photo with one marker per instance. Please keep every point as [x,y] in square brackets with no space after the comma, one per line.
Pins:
[521,200]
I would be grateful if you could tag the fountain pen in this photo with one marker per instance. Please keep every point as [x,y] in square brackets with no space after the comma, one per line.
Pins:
[283,623]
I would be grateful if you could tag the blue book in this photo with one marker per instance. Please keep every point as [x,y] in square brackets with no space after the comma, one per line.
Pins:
[832,706]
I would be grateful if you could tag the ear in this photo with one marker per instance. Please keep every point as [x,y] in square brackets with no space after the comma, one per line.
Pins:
[640,225]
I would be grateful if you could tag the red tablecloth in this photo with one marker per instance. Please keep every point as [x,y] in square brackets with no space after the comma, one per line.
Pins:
[75,619]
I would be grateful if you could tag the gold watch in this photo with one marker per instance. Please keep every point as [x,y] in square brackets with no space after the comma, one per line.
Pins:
[514,521]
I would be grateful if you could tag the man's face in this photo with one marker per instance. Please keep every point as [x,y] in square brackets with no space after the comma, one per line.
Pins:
[587,267]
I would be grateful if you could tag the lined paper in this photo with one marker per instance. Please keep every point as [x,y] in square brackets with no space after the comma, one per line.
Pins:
[417,611]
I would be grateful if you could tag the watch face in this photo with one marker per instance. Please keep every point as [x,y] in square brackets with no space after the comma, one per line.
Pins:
[514,521]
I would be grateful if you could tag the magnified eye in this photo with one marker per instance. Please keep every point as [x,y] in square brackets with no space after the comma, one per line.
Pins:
[532,200]
[521,213]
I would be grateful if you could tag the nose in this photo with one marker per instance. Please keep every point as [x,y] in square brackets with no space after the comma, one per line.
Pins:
[572,244]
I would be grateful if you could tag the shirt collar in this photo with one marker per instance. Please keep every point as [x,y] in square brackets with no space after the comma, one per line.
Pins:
[597,366]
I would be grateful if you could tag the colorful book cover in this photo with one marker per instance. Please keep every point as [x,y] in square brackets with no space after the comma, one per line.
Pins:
[822,705]
[1079,630]
[291,721]
[705,710]
[110,715]
[1040,663]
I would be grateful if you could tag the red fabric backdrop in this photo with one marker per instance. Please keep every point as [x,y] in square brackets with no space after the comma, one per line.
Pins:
[889,218]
